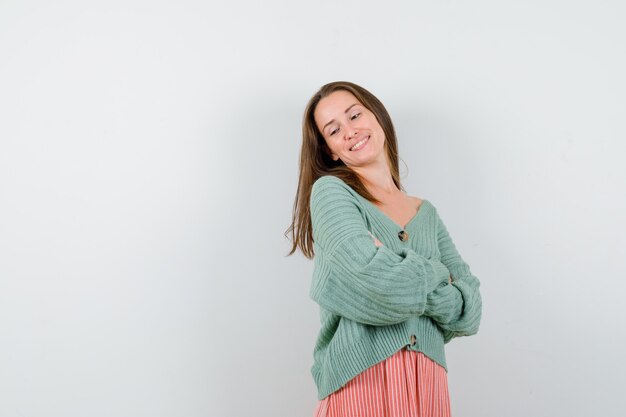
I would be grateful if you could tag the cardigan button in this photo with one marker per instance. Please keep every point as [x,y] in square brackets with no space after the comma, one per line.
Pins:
[413,340]
[403,236]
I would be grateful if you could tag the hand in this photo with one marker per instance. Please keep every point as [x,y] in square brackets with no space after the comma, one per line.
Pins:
[377,242]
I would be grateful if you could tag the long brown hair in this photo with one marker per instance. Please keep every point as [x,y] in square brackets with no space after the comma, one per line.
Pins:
[315,161]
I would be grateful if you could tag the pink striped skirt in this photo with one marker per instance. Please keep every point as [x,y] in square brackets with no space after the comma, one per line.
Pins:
[407,384]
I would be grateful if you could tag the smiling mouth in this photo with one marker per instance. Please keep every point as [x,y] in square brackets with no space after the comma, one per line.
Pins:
[359,144]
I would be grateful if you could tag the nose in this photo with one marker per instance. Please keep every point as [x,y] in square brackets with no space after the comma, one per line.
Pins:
[352,132]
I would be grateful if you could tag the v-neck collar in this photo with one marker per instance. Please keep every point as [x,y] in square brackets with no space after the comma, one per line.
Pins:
[380,213]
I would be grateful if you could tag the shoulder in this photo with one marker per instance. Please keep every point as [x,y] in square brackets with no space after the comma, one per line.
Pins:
[331,194]
[422,204]
[328,180]
[329,184]
[424,207]
[435,213]
[417,202]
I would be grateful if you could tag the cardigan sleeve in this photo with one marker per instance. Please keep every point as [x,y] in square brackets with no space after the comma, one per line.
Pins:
[353,277]
[456,307]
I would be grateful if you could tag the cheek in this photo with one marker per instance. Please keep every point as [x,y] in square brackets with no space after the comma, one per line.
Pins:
[373,122]
[379,130]
[333,143]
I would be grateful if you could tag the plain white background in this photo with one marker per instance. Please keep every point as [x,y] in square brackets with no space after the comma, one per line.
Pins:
[148,165]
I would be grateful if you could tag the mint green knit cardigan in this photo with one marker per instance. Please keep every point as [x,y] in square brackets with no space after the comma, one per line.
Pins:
[376,300]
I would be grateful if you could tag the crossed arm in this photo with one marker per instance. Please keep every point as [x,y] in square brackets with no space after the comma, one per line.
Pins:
[363,282]
[456,307]
[372,284]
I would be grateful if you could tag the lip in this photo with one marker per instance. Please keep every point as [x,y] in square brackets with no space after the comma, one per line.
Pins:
[359,140]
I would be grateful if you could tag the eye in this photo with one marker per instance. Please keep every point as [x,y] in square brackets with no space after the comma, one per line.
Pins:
[355,116]
[332,132]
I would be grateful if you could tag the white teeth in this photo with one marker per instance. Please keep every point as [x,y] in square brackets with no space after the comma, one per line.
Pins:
[359,144]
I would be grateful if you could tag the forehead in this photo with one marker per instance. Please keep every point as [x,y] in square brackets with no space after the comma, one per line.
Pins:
[333,106]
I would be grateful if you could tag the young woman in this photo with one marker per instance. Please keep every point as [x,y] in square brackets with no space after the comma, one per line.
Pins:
[391,286]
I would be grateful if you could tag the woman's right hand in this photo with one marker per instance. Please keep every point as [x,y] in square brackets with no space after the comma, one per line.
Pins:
[377,242]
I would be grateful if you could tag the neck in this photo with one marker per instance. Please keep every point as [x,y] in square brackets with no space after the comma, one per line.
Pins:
[377,177]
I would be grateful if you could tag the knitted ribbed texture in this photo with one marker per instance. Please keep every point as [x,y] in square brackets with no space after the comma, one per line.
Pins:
[373,299]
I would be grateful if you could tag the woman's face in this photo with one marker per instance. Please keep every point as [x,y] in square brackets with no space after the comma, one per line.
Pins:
[350,130]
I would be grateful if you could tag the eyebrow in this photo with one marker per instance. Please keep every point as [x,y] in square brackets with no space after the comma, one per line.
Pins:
[347,110]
